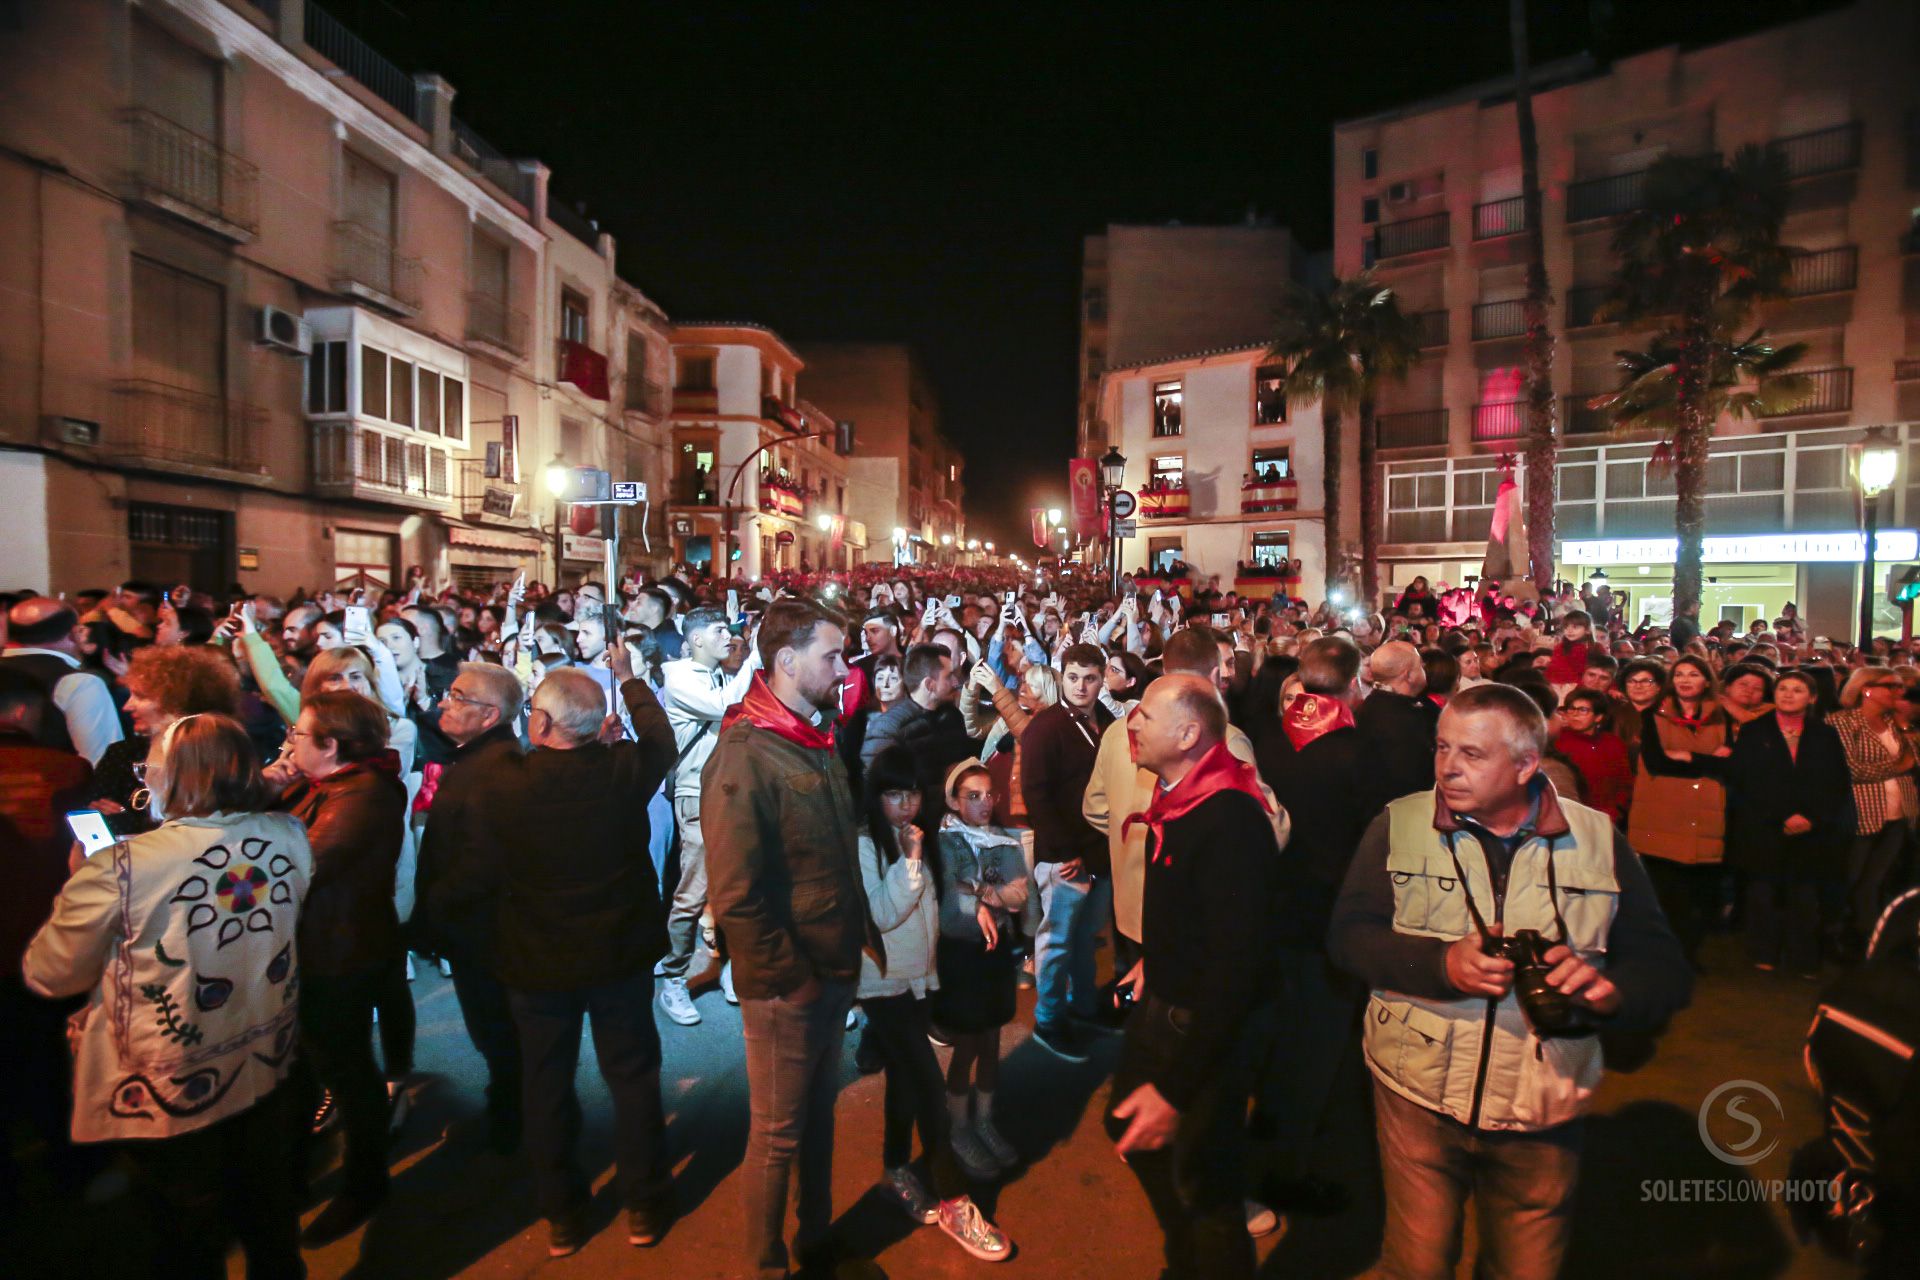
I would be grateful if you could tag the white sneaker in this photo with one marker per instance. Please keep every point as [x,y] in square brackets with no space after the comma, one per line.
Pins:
[726,983]
[677,1004]
[398,1105]
[970,1229]
[853,1018]
[409,966]
[446,968]
[1262,1221]
[972,1154]
[995,1142]
[904,1188]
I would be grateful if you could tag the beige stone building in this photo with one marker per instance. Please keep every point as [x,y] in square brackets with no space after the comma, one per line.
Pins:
[1429,195]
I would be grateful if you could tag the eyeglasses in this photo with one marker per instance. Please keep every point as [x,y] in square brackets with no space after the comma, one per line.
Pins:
[297,733]
[455,695]
[900,799]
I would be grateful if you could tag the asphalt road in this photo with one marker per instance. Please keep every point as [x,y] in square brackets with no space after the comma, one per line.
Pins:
[1072,1208]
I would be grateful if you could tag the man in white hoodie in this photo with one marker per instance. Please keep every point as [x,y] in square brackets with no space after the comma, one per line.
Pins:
[696,694]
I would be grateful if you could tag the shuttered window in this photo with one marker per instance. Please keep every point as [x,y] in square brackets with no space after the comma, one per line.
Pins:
[177,329]
[175,82]
[489,267]
[370,197]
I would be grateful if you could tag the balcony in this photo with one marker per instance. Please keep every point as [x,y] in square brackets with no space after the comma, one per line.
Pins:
[696,400]
[190,177]
[1266,496]
[1431,329]
[1576,419]
[1413,235]
[332,41]
[696,489]
[1606,197]
[644,396]
[491,164]
[1823,271]
[1583,305]
[351,460]
[772,409]
[177,428]
[579,364]
[1497,218]
[492,322]
[1831,392]
[1831,150]
[490,500]
[1505,319]
[1906,369]
[365,266]
[1417,429]
[1499,421]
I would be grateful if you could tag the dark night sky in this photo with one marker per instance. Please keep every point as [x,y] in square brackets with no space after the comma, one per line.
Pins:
[925,173]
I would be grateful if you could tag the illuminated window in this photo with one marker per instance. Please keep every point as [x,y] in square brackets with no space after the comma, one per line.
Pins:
[1272,464]
[1166,408]
[1270,395]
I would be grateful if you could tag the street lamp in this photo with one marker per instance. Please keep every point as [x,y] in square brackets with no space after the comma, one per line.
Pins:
[557,477]
[1876,463]
[1053,515]
[1113,473]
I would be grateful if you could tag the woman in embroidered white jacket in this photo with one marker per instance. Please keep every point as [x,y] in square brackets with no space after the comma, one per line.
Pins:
[185,938]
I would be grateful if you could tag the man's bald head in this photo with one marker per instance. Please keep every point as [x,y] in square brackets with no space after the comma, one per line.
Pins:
[1396,666]
[42,622]
[1179,720]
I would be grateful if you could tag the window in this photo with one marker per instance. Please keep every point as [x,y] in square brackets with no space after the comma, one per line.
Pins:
[1167,471]
[1162,553]
[1270,395]
[1272,464]
[696,373]
[1270,548]
[1370,162]
[1370,210]
[1166,408]
[454,415]
[573,441]
[175,82]
[327,378]
[574,313]
[637,373]
[769,382]
[373,382]
[178,323]
[370,198]
[429,402]
[490,267]
[400,407]
[1368,248]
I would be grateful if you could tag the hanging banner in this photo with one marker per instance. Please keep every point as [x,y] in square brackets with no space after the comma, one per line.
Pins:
[510,448]
[1040,528]
[1083,487]
[836,533]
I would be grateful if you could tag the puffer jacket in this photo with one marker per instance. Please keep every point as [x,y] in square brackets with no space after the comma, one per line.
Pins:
[1680,806]
[355,820]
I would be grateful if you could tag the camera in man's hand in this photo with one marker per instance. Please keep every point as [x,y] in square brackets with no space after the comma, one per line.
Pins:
[1550,1012]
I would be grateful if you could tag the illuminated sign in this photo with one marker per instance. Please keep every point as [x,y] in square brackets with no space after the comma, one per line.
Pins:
[1759,548]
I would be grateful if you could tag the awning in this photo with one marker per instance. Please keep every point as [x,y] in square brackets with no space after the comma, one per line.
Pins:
[460,535]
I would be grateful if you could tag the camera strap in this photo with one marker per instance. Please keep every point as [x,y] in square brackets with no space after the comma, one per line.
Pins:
[1473,908]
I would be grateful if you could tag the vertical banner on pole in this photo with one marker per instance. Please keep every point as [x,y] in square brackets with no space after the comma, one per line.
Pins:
[510,448]
[1083,487]
[1040,528]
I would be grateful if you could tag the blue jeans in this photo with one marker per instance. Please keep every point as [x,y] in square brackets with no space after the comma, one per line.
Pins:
[1522,1186]
[1064,977]
[626,1044]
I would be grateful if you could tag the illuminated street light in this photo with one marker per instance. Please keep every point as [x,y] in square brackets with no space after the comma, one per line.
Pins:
[825,523]
[1053,515]
[557,475]
[946,539]
[989,548]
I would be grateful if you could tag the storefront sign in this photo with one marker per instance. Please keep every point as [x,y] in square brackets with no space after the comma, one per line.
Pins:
[1761,548]
[575,546]
[249,557]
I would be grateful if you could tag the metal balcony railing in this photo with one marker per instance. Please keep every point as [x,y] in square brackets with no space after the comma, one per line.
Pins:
[492,321]
[332,41]
[365,260]
[1606,197]
[1506,319]
[1824,271]
[1906,369]
[572,221]
[1431,328]
[1499,218]
[645,396]
[1821,151]
[492,164]
[179,169]
[1831,392]
[1499,420]
[155,422]
[352,460]
[484,498]
[1576,419]
[1414,235]
[1416,429]
[1583,301]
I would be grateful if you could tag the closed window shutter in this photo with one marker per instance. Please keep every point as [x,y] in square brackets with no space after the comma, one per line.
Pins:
[370,197]
[490,268]
[177,328]
[176,82]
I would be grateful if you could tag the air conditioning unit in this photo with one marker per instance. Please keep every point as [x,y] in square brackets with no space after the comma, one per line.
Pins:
[1400,191]
[284,330]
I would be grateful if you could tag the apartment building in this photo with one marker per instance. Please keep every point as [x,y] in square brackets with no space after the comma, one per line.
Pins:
[905,481]
[275,314]
[1429,196]
[759,475]
[1228,474]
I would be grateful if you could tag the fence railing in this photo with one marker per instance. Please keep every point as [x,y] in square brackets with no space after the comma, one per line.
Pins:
[1824,271]
[1583,301]
[1831,392]
[1499,420]
[176,164]
[1418,428]
[493,165]
[1906,369]
[160,423]
[1499,218]
[330,38]
[1431,328]
[645,396]
[1506,319]
[1414,235]
[495,498]
[353,460]
[1821,151]
[491,320]
[571,221]
[367,259]
[1606,197]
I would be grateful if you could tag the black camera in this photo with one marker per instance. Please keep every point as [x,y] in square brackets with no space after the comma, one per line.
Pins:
[1551,1012]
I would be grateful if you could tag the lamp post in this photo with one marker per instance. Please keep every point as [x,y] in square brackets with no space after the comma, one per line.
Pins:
[556,485]
[1113,473]
[1876,462]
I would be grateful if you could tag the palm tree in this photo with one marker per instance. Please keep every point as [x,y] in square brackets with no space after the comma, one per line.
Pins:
[1339,344]
[1695,262]
[1542,444]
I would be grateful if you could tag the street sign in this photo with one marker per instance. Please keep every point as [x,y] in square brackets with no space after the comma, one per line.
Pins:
[1124,504]
[1125,528]
[576,546]
[629,491]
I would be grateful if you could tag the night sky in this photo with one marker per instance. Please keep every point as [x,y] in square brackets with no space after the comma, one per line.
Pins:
[924,173]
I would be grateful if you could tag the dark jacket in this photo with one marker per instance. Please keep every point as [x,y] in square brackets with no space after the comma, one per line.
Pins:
[783,861]
[937,740]
[1766,785]
[1318,787]
[355,819]
[1396,737]
[578,904]
[884,729]
[458,871]
[1057,752]
[38,786]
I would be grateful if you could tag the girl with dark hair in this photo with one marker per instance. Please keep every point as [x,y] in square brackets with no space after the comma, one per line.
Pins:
[1127,679]
[1679,815]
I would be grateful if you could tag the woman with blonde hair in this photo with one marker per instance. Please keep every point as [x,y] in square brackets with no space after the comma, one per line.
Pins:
[185,938]
[1880,760]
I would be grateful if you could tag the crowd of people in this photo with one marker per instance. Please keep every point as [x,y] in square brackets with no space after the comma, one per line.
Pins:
[1454,839]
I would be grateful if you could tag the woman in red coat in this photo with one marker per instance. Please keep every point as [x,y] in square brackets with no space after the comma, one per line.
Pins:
[1596,751]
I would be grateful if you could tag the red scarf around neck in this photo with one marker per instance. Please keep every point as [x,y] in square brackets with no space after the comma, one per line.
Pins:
[1312,715]
[767,712]
[1218,770]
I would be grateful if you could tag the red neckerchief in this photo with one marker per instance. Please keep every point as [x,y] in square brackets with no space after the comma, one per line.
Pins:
[767,712]
[1313,715]
[1707,707]
[1218,770]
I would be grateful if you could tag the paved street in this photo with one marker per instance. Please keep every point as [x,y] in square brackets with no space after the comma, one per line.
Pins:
[1073,1209]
